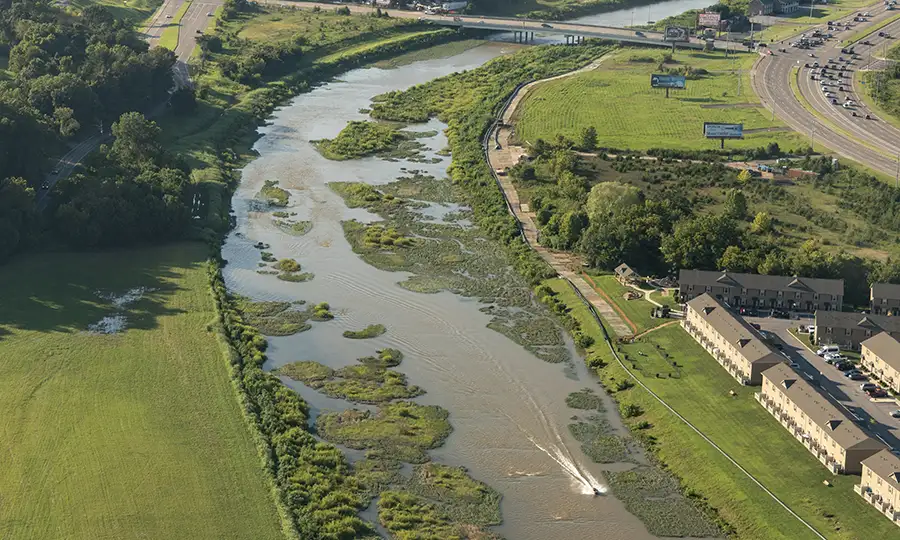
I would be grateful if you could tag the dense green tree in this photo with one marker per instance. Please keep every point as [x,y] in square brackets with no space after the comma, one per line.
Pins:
[735,204]
[762,223]
[17,215]
[700,242]
[610,197]
[137,141]
[587,139]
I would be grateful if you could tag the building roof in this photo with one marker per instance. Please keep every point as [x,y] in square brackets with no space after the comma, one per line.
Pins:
[735,330]
[885,465]
[625,271]
[886,290]
[821,411]
[844,319]
[766,2]
[885,347]
[834,287]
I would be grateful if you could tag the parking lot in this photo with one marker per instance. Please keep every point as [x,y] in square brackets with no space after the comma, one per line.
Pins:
[834,383]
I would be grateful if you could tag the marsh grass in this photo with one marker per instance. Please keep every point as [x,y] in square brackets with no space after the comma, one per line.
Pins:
[371,331]
[273,195]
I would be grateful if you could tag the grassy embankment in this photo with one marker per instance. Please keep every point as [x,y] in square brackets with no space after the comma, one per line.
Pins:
[556,9]
[128,435]
[617,100]
[133,11]
[169,37]
[698,389]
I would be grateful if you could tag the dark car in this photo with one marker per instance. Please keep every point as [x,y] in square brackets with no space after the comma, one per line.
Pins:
[880,34]
[844,365]
[877,393]
[45,186]
[545,25]
[756,325]
[780,314]
[749,312]
[834,102]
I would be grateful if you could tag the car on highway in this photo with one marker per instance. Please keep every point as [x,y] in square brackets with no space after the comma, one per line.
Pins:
[545,25]
[868,117]
[834,101]
[54,171]
[639,33]
[867,42]
[45,186]
[880,34]
[815,64]
[168,16]
[895,414]
[846,105]
[209,14]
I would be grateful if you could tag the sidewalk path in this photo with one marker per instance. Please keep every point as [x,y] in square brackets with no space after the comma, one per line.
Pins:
[567,265]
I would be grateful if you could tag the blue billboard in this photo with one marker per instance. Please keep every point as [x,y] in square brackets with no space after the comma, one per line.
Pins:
[667,81]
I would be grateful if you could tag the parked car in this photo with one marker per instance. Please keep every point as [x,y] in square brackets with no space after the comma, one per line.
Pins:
[749,312]
[867,387]
[896,414]
[843,365]
[825,349]
[877,393]
[756,325]
[780,314]
[855,376]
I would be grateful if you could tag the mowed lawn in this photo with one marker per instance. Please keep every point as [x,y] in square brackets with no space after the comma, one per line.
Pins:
[134,435]
[617,100]
[637,310]
[747,432]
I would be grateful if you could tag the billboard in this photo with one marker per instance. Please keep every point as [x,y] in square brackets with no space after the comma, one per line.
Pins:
[709,20]
[667,81]
[715,130]
[677,33]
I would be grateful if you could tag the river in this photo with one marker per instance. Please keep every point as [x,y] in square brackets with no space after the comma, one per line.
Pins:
[507,406]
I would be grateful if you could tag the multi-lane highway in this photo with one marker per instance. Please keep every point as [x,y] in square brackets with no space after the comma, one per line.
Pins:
[873,142]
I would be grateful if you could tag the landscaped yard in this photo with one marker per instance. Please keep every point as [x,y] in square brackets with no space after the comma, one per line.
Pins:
[637,311]
[617,100]
[132,435]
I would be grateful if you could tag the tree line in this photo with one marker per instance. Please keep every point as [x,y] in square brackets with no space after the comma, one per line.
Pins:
[67,76]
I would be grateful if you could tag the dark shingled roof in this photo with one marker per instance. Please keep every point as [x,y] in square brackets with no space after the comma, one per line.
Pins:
[703,278]
[844,319]
[821,411]
[886,290]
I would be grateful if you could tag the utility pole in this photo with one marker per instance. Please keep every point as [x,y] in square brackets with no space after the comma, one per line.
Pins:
[632,16]
[810,8]
[812,138]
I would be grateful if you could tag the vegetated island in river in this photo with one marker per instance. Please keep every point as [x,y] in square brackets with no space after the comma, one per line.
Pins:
[466,102]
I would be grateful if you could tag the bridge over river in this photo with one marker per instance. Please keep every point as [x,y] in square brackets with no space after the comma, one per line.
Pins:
[525,29]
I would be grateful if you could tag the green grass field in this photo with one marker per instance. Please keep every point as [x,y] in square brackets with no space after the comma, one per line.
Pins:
[699,390]
[637,310]
[135,435]
[169,37]
[134,11]
[617,100]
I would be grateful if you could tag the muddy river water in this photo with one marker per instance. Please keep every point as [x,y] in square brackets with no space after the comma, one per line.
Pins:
[507,406]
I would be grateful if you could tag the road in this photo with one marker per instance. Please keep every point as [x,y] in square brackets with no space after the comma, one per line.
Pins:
[510,24]
[874,142]
[843,391]
[195,19]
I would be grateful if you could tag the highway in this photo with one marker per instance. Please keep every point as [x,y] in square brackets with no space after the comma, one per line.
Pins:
[874,142]
[196,18]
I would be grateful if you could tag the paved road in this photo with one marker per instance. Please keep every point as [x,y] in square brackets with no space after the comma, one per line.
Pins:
[874,143]
[509,24]
[196,18]
[841,389]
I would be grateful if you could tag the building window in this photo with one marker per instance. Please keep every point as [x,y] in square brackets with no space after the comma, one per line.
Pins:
[846,331]
[691,288]
[708,288]
[816,296]
[868,333]
[884,300]
[827,330]
[780,293]
[762,292]
[727,289]
[743,290]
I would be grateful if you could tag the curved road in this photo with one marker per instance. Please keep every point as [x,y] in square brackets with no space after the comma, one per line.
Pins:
[874,142]
[195,20]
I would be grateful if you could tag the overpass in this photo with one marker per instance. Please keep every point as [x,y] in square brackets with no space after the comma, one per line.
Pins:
[524,30]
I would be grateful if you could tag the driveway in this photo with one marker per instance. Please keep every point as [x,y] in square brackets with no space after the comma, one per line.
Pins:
[840,389]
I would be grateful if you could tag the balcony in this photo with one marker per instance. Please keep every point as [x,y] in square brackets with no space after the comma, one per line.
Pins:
[861,489]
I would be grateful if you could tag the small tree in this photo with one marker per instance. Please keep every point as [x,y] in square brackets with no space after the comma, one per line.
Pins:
[762,223]
[744,176]
[588,139]
[736,204]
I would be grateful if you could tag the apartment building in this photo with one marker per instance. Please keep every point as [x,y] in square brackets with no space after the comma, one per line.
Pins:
[881,358]
[849,330]
[763,292]
[880,484]
[884,299]
[829,435]
[736,345]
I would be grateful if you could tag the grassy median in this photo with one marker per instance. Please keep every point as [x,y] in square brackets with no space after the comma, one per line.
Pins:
[130,435]
[169,37]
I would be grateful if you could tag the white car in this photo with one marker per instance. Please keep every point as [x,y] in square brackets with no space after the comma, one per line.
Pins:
[826,349]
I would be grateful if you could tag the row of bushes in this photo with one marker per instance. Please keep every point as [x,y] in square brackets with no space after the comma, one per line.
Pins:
[317,495]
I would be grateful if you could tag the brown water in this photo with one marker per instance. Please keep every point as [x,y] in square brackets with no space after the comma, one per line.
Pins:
[507,407]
